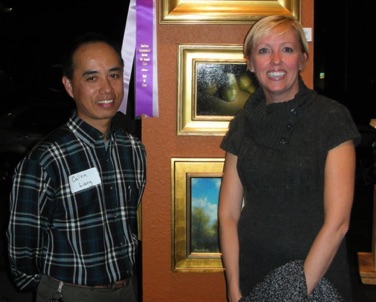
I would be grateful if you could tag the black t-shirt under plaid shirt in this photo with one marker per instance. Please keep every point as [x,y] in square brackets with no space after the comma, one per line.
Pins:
[73,207]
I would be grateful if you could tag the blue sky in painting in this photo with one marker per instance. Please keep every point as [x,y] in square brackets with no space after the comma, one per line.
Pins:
[205,194]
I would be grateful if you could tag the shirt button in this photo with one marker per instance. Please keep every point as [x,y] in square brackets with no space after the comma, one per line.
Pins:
[293,111]
[283,141]
[289,127]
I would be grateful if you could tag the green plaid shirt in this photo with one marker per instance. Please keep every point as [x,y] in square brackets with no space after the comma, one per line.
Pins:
[73,207]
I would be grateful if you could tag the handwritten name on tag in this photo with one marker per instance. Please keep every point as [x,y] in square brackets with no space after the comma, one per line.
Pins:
[84,179]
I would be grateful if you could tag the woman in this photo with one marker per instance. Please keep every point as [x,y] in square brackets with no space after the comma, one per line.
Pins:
[288,180]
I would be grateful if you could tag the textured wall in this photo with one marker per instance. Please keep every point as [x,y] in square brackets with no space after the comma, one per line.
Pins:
[162,142]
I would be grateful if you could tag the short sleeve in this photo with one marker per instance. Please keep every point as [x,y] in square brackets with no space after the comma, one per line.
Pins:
[338,126]
[233,138]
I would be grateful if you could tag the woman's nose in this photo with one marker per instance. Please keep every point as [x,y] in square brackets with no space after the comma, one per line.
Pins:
[276,58]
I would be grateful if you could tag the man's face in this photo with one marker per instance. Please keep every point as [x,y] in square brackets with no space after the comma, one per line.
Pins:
[96,84]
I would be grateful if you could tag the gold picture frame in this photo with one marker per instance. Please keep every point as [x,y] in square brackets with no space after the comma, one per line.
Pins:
[195,193]
[213,84]
[224,12]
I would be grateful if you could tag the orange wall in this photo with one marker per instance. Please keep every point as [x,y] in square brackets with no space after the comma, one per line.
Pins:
[160,283]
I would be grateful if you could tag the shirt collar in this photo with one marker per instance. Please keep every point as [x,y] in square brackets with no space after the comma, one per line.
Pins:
[84,131]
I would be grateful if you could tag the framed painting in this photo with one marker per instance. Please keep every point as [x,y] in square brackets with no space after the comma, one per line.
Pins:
[222,12]
[195,193]
[213,84]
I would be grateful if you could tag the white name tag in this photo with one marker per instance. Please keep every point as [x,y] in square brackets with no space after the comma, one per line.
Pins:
[84,179]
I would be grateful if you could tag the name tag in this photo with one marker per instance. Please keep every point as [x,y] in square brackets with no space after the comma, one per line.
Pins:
[84,179]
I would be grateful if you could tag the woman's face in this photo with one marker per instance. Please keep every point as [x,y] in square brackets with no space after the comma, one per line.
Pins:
[276,61]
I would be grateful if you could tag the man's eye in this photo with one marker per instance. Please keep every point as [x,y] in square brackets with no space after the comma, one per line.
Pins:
[115,76]
[90,79]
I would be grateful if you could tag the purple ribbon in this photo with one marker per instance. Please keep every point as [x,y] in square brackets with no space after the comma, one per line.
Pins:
[144,57]
[127,51]
[139,45]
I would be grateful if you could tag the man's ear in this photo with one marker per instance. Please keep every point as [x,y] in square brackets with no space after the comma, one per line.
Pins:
[67,85]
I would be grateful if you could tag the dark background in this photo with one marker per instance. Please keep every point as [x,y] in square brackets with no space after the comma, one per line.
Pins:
[33,34]
[344,38]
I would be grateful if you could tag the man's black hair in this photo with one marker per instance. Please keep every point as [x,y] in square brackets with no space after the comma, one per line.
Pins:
[91,37]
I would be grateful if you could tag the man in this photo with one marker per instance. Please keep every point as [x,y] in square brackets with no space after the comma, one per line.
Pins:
[72,231]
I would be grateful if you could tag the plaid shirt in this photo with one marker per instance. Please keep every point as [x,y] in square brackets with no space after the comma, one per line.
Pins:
[73,207]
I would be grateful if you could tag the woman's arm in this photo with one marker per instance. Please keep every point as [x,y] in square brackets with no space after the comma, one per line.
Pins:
[230,205]
[338,199]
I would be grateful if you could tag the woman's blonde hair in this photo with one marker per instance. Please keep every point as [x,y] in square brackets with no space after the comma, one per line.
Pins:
[267,24]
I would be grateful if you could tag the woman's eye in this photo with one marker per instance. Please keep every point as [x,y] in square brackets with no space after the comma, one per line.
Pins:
[288,49]
[263,50]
